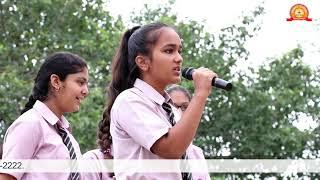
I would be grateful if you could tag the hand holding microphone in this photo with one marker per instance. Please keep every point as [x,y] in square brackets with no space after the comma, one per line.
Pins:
[216,82]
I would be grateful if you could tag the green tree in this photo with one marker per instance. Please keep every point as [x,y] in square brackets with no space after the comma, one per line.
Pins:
[30,30]
[255,119]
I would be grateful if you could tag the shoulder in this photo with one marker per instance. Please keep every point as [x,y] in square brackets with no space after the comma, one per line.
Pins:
[195,152]
[26,128]
[132,97]
[196,148]
[131,94]
[93,154]
[29,120]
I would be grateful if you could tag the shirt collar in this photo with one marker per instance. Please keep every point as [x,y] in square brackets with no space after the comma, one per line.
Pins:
[151,93]
[49,116]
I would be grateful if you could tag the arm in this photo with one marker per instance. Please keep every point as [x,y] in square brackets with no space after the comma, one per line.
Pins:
[174,144]
[6,177]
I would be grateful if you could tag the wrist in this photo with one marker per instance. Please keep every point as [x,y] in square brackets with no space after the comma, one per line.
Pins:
[201,96]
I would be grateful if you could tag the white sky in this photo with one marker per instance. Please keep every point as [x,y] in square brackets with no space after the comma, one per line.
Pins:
[276,36]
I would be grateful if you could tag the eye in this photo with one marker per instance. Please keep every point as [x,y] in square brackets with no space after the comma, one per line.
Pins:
[184,107]
[81,82]
[168,51]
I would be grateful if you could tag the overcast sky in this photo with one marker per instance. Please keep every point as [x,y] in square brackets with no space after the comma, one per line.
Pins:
[276,36]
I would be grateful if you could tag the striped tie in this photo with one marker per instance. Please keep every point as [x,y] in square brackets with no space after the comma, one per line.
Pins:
[168,109]
[66,140]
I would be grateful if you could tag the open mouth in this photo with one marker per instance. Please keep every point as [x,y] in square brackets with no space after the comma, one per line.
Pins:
[79,99]
[177,69]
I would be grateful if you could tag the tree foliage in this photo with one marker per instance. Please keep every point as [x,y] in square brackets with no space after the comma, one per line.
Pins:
[30,30]
[254,120]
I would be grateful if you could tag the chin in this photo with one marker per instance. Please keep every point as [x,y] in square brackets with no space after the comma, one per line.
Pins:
[176,80]
[75,109]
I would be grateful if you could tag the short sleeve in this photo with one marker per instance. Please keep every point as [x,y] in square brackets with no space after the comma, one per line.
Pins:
[21,141]
[140,121]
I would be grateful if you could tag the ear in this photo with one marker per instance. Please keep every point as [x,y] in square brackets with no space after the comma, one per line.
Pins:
[143,62]
[55,82]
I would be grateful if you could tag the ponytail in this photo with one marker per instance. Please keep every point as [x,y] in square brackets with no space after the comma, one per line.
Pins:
[138,40]
[29,104]
[119,83]
[39,92]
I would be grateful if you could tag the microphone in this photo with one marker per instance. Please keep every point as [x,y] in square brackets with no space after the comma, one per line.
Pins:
[216,82]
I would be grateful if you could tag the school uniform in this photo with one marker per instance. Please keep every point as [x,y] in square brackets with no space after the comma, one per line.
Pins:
[34,136]
[137,122]
[196,153]
[95,154]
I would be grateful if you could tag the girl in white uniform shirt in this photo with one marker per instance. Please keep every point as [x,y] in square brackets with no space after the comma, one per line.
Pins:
[149,59]
[60,86]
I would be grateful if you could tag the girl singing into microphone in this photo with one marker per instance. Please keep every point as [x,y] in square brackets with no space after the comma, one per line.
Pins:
[143,123]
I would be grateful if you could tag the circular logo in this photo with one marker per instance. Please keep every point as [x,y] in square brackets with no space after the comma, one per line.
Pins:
[299,12]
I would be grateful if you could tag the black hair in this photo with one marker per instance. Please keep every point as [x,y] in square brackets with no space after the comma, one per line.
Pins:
[176,87]
[61,64]
[138,40]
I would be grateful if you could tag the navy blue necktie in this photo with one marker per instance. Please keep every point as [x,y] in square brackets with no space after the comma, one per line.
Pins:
[168,109]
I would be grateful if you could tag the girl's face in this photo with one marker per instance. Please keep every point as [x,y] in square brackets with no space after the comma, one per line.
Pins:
[74,90]
[165,65]
[180,100]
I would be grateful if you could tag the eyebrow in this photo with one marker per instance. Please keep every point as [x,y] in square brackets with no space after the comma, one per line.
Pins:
[173,45]
[83,78]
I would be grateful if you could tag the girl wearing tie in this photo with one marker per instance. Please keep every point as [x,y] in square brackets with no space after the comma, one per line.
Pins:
[42,131]
[139,113]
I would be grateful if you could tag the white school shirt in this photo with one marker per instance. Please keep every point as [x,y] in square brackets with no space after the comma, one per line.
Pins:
[137,122]
[34,136]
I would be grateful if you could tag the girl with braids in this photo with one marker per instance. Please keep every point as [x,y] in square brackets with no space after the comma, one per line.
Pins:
[59,87]
[139,111]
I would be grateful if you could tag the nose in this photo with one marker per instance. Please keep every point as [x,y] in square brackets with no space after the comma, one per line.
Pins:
[85,90]
[179,58]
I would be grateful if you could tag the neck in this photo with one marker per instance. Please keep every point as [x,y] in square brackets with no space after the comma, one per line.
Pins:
[52,105]
[156,85]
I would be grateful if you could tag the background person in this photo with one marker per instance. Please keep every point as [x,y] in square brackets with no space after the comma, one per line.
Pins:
[181,98]
[42,131]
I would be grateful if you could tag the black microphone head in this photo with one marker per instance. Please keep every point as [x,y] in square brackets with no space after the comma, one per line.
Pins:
[229,87]
[187,73]
[223,84]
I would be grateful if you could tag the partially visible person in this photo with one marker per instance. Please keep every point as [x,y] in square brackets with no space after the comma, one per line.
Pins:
[42,131]
[97,154]
[1,151]
[104,152]
[2,129]
[181,98]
